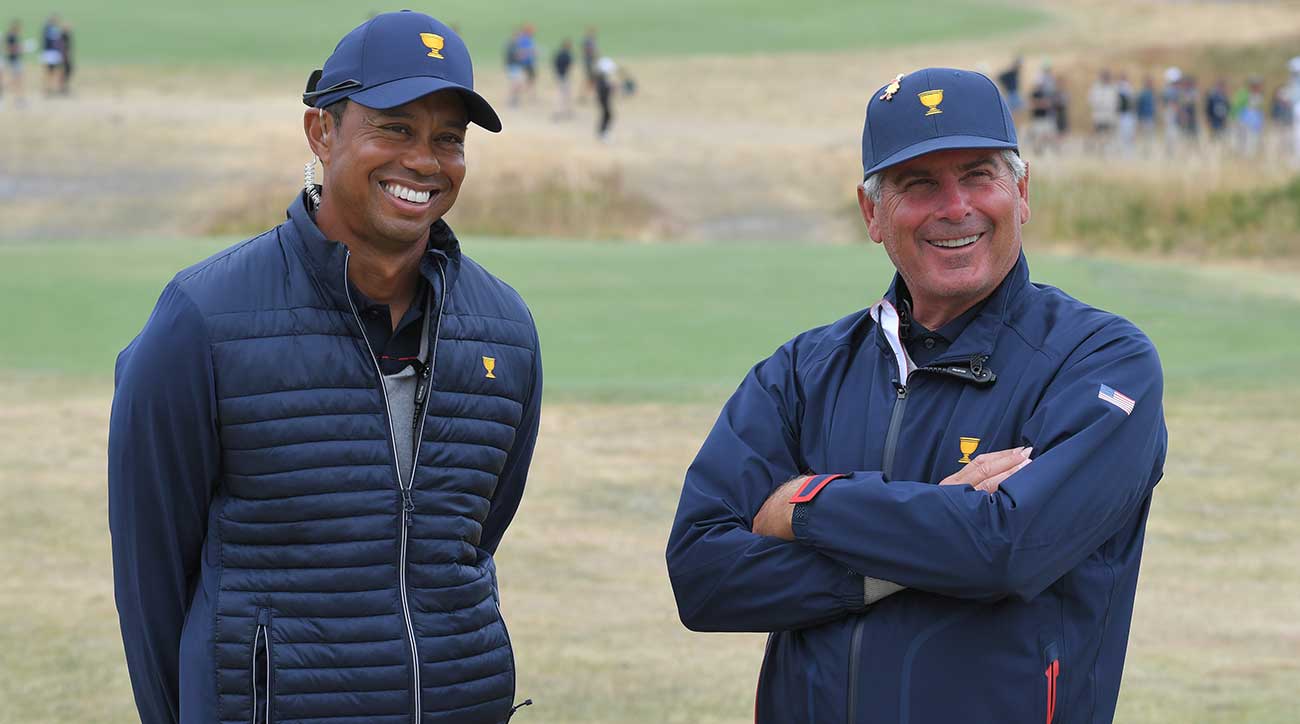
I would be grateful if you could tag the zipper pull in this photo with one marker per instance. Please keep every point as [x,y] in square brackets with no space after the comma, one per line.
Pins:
[902,390]
[517,707]
[408,505]
[421,391]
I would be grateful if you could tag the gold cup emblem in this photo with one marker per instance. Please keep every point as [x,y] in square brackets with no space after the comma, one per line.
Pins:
[490,364]
[932,99]
[968,445]
[433,43]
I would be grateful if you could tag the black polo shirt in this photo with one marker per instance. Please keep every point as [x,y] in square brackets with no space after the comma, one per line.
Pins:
[394,349]
[925,346]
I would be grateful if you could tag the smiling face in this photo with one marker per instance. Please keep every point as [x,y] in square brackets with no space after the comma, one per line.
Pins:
[389,174]
[950,221]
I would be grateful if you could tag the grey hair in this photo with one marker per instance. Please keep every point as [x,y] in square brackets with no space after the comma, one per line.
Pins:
[873,183]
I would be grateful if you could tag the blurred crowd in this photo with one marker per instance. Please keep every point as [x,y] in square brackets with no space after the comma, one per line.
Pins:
[602,79]
[55,46]
[1173,115]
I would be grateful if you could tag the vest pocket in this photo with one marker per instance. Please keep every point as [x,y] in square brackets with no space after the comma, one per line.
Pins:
[1051,676]
[260,668]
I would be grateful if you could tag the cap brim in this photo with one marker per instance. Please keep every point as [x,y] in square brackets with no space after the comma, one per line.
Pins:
[944,143]
[404,90]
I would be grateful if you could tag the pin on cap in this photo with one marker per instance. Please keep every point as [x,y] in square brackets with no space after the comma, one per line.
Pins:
[934,109]
[395,58]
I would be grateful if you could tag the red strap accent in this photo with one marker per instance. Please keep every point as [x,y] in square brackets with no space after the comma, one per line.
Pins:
[1053,671]
[811,487]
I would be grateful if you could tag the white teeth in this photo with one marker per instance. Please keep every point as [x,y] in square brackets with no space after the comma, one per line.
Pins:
[954,243]
[401,192]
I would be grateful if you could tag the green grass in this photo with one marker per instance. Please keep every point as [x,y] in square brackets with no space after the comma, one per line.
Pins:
[628,322]
[249,33]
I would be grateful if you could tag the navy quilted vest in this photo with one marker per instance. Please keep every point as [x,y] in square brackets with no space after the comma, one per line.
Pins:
[322,583]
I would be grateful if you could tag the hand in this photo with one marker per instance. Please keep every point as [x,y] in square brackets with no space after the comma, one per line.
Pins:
[774,518]
[986,472]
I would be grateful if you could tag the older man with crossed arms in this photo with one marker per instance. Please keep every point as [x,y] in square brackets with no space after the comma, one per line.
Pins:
[867,495]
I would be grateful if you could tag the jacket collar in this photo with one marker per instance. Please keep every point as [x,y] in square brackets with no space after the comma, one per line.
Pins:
[981,334]
[326,260]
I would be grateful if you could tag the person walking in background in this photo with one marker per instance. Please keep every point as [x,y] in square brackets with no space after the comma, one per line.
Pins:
[562,63]
[589,57]
[52,54]
[65,78]
[606,87]
[936,505]
[1218,109]
[304,511]
[14,61]
[514,68]
[526,48]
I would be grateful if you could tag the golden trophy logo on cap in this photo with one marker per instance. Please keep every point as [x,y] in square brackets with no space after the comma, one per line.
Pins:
[434,43]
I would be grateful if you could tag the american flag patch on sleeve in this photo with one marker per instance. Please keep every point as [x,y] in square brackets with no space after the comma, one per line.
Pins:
[1117,398]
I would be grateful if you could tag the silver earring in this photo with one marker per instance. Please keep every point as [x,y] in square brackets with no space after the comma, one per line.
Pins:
[309,182]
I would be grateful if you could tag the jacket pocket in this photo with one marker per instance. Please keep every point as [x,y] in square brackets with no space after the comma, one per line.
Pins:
[1051,678]
[260,668]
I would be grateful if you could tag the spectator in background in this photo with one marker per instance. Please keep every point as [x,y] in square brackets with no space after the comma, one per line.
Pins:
[1103,101]
[1146,109]
[526,47]
[66,76]
[1061,108]
[1126,123]
[589,51]
[562,62]
[1010,82]
[1217,110]
[1249,115]
[1169,102]
[1293,95]
[52,54]
[1189,101]
[606,85]
[1042,113]
[514,68]
[14,60]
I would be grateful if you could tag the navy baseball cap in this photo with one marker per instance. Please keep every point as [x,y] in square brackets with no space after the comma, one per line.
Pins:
[934,109]
[395,58]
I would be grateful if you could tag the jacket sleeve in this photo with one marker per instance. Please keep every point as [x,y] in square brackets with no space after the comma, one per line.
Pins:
[163,462]
[1094,465]
[510,486]
[724,576]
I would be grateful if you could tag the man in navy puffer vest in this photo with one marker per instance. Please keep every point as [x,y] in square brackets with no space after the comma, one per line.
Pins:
[936,505]
[321,434]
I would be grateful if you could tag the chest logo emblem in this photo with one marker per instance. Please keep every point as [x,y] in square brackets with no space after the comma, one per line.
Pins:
[490,364]
[968,445]
[433,43]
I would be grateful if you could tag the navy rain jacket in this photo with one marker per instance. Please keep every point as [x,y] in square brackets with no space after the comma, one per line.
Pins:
[1017,604]
[268,565]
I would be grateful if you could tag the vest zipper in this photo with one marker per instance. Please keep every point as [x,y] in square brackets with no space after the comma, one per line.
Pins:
[408,504]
